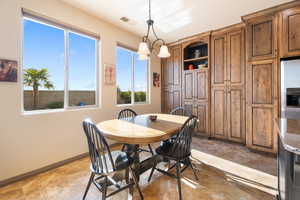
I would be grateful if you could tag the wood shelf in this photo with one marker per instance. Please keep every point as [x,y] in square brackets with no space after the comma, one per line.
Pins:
[203,69]
[196,59]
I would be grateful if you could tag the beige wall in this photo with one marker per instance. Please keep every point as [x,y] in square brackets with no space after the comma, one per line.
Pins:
[31,141]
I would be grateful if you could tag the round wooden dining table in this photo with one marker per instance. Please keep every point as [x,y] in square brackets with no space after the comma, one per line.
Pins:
[140,130]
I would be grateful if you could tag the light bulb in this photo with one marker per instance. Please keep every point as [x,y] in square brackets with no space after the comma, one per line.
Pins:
[143,49]
[164,52]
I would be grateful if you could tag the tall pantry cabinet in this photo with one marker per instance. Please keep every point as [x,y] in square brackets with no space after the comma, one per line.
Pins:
[228,84]
[262,83]
[171,80]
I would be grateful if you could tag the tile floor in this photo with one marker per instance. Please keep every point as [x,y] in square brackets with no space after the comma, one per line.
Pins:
[68,182]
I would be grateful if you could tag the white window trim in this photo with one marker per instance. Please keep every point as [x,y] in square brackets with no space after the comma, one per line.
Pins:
[133,103]
[66,107]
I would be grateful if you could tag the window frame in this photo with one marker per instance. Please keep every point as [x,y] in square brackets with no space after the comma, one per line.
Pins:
[132,80]
[66,30]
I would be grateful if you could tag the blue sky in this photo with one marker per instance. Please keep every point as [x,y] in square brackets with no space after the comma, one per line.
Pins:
[124,71]
[44,48]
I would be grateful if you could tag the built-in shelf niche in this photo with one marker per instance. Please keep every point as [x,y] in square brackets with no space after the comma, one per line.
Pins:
[195,56]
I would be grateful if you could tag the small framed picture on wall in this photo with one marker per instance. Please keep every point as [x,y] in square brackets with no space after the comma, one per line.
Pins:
[110,74]
[156,79]
[8,70]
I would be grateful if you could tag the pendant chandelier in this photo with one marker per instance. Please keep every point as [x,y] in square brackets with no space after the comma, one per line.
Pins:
[146,46]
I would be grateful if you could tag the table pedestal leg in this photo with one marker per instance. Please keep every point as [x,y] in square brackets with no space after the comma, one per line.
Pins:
[136,161]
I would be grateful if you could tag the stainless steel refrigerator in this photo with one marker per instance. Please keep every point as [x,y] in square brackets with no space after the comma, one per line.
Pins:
[289,161]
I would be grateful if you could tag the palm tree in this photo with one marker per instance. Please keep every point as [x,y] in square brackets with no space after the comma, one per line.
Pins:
[35,78]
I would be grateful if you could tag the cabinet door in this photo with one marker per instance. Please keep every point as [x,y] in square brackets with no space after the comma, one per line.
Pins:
[167,72]
[201,111]
[201,85]
[201,108]
[189,107]
[236,115]
[164,85]
[218,61]
[176,84]
[262,105]
[171,80]
[188,85]
[290,29]
[176,99]
[218,113]
[236,57]
[261,39]
[176,54]
[170,100]
[165,101]
[236,87]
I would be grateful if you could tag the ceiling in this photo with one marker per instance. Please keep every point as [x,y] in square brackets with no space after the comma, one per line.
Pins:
[174,19]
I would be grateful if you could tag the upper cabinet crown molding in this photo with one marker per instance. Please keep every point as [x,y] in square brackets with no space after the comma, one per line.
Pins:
[230,28]
[270,11]
[196,37]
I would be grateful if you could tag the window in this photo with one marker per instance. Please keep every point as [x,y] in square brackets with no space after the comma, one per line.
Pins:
[132,77]
[59,67]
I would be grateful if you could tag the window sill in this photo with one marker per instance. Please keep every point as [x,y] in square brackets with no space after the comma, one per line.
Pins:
[135,104]
[48,111]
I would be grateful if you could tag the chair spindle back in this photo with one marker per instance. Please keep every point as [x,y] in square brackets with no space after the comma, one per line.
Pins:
[99,151]
[126,114]
[182,143]
[178,111]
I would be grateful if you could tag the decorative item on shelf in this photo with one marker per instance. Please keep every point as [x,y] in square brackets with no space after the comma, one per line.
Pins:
[191,67]
[8,70]
[109,74]
[153,117]
[197,53]
[206,63]
[156,79]
[201,66]
[146,46]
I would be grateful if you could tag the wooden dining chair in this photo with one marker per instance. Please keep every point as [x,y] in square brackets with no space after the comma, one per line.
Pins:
[104,163]
[178,149]
[128,114]
[178,111]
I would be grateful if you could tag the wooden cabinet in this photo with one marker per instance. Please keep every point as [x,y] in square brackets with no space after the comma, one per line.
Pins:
[262,38]
[228,85]
[196,82]
[218,90]
[195,97]
[171,80]
[241,100]
[290,32]
[235,71]
[262,105]
[262,84]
